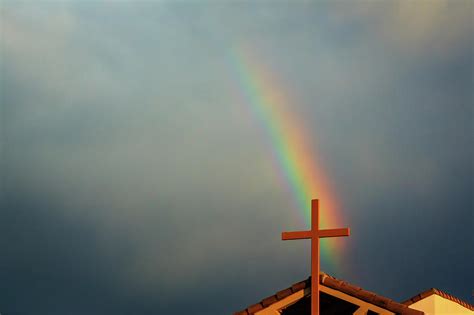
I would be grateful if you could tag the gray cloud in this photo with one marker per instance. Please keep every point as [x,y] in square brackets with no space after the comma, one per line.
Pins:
[132,174]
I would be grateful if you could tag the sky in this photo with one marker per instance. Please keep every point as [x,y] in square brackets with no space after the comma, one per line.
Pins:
[135,178]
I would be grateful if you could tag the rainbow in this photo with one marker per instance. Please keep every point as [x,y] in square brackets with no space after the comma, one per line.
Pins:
[291,149]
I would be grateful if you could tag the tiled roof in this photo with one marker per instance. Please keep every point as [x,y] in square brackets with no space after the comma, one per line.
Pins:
[367,296]
[252,309]
[432,291]
[336,284]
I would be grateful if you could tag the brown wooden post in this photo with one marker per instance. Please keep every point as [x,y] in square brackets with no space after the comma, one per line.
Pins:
[315,257]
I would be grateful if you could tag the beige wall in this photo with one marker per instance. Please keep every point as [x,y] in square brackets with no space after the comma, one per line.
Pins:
[437,305]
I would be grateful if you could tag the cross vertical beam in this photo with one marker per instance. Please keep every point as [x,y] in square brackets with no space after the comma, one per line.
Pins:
[315,257]
[315,234]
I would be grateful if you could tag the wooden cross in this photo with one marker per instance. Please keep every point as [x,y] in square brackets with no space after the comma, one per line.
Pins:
[314,234]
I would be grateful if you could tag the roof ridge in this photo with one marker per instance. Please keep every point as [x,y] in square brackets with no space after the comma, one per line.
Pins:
[336,284]
[441,293]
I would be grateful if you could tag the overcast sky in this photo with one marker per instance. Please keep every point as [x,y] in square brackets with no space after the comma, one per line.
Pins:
[134,182]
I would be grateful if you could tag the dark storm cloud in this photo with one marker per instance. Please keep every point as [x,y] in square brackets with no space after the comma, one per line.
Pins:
[132,177]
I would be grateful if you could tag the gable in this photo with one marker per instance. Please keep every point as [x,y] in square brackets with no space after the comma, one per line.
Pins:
[332,302]
[337,297]
[328,304]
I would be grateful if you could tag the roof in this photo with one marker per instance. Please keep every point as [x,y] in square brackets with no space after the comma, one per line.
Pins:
[432,291]
[336,284]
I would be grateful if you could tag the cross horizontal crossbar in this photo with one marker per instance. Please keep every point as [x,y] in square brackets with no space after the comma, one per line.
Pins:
[298,235]
[286,236]
[334,232]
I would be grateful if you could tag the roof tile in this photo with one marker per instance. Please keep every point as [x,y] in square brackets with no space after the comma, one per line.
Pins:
[254,308]
[299,286]
[283,293]
[269,300]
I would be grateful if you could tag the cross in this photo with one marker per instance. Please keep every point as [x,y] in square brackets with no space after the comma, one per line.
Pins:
[314,234]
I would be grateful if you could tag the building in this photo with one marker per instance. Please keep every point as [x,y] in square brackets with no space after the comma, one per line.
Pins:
[434,302]
[339,298]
